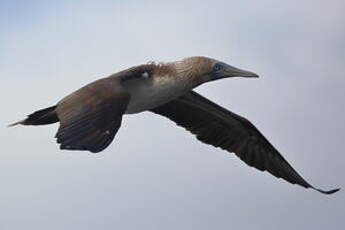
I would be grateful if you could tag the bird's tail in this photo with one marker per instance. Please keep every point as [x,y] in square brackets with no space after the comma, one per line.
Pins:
[40,117]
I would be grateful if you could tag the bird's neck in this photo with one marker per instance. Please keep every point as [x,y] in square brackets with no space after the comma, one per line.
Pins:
[188,70]
[168,82]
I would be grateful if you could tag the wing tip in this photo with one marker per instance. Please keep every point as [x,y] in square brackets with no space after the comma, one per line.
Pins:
[327,192]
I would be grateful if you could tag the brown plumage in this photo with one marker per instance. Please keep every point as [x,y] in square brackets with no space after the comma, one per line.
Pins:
[91,116]
[219,127]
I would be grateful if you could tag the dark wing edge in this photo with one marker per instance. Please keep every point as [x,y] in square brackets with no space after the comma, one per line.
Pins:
[214,125]
[91,116]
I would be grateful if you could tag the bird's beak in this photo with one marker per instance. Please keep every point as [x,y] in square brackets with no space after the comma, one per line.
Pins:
[231,71]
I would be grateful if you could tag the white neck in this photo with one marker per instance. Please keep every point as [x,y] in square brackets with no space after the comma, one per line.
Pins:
[151,92]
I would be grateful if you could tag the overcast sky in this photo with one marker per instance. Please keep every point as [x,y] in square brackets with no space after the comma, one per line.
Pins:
[156,175]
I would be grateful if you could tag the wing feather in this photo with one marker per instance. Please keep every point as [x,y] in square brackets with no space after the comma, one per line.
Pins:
[219,127]
[91,116]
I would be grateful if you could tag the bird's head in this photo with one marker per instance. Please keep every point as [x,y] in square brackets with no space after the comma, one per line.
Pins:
[188,72]
[204,69]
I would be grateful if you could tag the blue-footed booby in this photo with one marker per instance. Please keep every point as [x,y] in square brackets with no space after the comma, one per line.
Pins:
[91,116]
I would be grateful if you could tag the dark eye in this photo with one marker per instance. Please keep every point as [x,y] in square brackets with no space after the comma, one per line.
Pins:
[145,75]
[217,67]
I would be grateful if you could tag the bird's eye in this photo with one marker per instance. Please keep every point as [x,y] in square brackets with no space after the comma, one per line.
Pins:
[145,75]
[217,67]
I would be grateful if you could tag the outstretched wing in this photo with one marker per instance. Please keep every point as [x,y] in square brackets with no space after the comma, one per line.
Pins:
[91,116]
[219,127]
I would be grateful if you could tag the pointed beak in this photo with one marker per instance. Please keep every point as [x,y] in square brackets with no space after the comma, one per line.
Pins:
[230,71]
[222,70]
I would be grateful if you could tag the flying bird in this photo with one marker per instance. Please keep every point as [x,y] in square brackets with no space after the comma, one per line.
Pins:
[91,116]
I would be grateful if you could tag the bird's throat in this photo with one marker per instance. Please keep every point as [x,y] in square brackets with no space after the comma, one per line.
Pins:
[147,94]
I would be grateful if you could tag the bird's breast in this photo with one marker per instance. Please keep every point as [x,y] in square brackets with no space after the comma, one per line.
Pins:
[150,93]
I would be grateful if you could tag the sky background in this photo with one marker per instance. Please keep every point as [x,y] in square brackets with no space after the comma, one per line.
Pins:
[156,175]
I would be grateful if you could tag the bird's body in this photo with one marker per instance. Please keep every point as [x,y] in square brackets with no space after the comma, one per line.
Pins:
[154,92]
[91,116]
[166,82]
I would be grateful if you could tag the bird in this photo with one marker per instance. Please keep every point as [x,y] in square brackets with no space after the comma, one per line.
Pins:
[91,116]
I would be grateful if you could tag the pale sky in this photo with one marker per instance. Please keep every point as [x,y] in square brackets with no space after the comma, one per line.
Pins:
[156,175]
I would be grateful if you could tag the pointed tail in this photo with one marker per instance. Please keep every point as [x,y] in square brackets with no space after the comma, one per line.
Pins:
[40,117]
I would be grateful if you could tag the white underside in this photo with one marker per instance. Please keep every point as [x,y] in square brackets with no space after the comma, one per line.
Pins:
[150,93]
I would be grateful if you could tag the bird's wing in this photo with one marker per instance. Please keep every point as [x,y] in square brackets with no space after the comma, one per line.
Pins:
[219,127]
[91,116]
